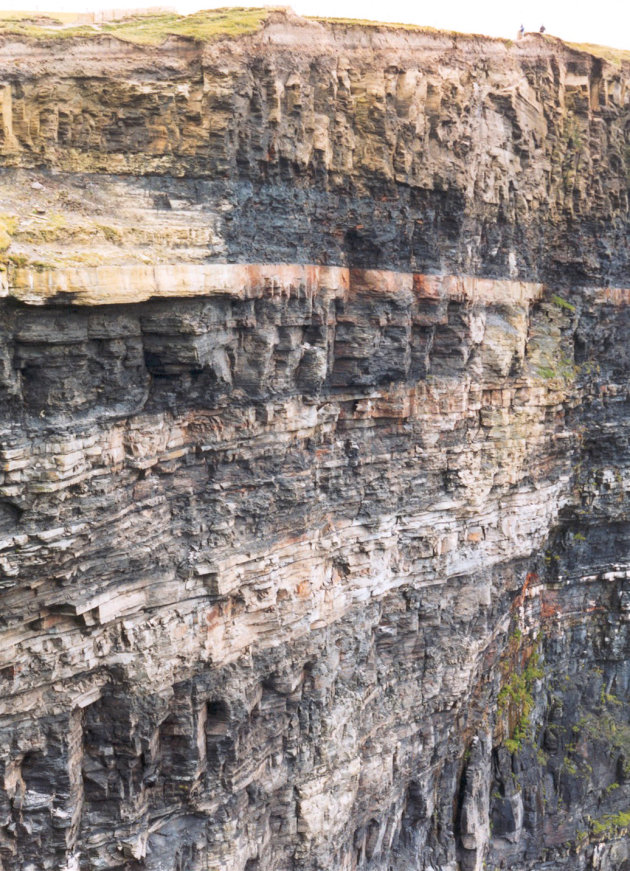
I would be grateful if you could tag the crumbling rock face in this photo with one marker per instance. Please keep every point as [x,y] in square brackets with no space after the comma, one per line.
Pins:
[314,455]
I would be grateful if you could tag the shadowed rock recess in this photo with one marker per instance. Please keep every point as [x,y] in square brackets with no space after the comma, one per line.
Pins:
[314,453]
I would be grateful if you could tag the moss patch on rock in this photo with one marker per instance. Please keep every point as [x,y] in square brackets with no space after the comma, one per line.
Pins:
[521,670]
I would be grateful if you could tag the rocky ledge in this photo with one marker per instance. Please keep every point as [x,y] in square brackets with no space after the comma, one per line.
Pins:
[314,452]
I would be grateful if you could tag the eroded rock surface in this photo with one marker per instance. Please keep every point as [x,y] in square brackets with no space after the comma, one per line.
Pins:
[314,460]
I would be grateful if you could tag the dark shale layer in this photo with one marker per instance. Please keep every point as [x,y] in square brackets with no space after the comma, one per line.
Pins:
[314,454]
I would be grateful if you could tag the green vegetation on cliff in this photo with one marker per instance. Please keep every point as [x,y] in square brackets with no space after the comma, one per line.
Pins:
[210,24]
[141,29]
[615,56]
[611,824]
[521,669]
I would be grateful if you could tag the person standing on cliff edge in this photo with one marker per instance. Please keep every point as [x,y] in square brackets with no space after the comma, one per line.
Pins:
[521,32]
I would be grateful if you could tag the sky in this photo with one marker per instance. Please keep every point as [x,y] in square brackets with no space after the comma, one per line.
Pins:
[606,22]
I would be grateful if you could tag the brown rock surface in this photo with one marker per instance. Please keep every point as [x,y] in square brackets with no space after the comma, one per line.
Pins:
[313,454]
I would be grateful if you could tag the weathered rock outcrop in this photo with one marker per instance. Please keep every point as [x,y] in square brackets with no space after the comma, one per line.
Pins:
[314,454]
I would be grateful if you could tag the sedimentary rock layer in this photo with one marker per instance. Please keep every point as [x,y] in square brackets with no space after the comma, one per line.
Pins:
[314,455]
[329,145]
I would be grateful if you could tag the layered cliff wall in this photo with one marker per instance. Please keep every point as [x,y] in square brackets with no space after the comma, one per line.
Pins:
[314,453]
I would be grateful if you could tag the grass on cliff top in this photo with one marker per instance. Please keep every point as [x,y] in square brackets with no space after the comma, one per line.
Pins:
[396,25]
[367,22]
[615,56]
[44,19]
[227,21]
[141,29]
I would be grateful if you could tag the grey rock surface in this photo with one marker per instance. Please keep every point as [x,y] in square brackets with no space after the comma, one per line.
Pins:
[314,455]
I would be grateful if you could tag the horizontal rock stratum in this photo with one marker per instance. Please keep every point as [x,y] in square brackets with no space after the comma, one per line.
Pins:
[314,449]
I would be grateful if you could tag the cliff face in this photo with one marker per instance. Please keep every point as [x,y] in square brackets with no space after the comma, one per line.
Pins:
[314,454]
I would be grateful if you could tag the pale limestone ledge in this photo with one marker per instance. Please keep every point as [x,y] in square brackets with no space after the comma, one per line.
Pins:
[108,285]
